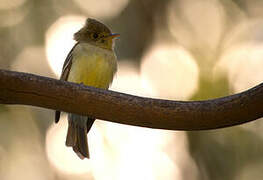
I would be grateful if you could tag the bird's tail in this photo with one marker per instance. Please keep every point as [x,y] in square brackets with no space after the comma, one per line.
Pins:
[78,127]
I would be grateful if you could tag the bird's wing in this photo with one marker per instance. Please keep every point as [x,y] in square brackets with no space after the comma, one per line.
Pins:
[65,72]
[67,64]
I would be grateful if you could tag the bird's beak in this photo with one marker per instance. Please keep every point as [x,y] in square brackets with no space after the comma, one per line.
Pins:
[112,36]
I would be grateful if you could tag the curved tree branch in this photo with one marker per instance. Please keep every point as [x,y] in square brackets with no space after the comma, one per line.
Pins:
[29,89]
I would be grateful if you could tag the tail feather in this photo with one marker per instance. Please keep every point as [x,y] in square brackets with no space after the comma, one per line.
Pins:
[76,150]
[71,135]
[82,142]
[78,127]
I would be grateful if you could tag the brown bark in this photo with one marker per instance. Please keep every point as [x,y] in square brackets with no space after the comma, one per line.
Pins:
[29,89]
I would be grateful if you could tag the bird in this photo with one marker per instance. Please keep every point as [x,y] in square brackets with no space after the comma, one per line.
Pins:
[92,61]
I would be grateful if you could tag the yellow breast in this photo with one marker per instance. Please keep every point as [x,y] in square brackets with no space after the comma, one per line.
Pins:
[93,66]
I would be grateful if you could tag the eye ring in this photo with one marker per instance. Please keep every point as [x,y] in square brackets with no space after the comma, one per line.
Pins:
[95,35]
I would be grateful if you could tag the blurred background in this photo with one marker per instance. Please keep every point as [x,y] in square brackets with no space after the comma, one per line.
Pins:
[172,49]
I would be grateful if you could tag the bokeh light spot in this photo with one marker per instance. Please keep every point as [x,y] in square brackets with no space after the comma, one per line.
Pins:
[129,80]
[195,20]
[243,65]
[62,157]
[59,40]
[102,8]
[171,71]
[32,60]
[10,4]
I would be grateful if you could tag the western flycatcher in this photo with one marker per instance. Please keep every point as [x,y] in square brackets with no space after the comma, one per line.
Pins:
[91,62]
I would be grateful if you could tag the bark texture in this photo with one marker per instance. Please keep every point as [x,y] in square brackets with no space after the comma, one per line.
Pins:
[29,89]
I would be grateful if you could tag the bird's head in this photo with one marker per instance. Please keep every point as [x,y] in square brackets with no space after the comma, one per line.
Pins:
[96,33]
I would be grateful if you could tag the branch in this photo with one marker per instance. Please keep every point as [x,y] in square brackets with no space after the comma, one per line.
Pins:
[29,89]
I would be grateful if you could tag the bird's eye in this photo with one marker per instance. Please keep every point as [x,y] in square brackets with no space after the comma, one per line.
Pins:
[95,35]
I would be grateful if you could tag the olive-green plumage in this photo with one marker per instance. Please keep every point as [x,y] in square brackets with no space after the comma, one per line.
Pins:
[91,62]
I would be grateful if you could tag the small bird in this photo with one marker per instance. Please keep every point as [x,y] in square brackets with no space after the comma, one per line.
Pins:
[91,61]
